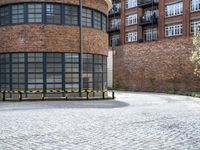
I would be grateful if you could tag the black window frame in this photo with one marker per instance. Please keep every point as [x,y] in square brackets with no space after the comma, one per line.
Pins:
[35,13]
[20,13]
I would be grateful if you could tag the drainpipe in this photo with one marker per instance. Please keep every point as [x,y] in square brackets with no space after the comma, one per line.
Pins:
[81,47]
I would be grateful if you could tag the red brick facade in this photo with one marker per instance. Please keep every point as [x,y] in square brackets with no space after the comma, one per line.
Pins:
[51,38]
[156,66]
[185,18]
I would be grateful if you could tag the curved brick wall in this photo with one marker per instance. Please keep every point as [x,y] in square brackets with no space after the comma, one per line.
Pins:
[100,5]
[156,66]
[51,38]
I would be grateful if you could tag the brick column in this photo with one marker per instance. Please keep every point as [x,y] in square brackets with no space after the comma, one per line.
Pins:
[161,20]
[139,28]
[186,18]
[122,28]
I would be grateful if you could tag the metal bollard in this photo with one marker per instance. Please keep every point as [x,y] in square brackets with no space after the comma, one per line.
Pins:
[103,95]
[20,96]
[4,96]
[87,95]
[66,96]
[113,94]
[43,95]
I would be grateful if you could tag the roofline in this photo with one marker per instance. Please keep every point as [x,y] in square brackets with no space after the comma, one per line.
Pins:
[109,2]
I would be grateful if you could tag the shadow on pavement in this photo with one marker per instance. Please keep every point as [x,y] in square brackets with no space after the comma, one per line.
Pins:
[105,104]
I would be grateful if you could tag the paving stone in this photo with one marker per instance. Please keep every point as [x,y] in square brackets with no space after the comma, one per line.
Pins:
[138,121]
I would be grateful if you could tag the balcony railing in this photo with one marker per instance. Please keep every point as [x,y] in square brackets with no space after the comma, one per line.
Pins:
[115,43]
[115,28]
[115,10]
[147,3]
[147,20]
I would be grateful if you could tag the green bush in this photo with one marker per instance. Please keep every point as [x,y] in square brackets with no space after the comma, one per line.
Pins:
[170,91]
[119,85]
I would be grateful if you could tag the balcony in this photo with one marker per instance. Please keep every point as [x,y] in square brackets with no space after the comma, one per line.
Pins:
[115,28]
[148,20]
[115,43]
[147,3]
[115,11]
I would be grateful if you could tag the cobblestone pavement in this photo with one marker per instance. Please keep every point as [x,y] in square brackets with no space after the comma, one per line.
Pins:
[134,121]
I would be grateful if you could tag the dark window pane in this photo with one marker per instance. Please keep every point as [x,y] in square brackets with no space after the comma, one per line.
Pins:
[71,15]
[97,20]
[87,17]
[17,13]
[53,13]
[4,15]
[34,13]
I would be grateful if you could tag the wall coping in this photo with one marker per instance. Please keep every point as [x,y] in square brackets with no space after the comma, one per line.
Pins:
[109,2]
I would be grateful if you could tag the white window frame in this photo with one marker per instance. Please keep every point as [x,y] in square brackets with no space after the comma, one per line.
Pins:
[195,26]
[131,19]
[195,5]
[173,30]
[131,3]
[174,9]
[131,36]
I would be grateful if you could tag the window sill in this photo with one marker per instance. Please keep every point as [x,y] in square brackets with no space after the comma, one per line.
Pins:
[174,16]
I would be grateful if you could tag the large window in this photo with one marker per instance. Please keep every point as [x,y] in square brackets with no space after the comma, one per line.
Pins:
[173,30]
[97,20]
[104,23]
[18,70]
[131,36]
[98,72]
[151,34]
[131,3]
[114,40]
[18,13]
[115,23]
[174,9]
[53,13]
[52,71]
[5,72]
[35,71]
[4,15]
[88,71]
[195,5]
[34,13]
[71,15]
[72,71]
[131,19]
[87,17]
[195,26]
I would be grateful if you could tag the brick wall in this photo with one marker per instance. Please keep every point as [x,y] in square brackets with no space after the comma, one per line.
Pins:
[156,66]
[47,38]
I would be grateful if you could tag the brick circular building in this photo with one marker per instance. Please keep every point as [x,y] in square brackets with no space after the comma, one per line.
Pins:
[40,44]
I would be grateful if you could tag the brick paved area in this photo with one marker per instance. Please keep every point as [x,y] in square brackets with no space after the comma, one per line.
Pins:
[134,121]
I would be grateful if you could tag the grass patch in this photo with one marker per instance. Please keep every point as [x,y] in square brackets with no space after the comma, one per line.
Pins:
[193,94]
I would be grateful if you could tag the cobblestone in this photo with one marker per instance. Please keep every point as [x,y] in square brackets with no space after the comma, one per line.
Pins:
[138,121]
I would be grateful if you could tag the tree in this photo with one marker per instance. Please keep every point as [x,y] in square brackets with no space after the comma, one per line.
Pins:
[196,54]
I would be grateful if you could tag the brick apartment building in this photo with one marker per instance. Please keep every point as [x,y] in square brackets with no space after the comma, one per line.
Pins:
[40,45]
[152,40]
